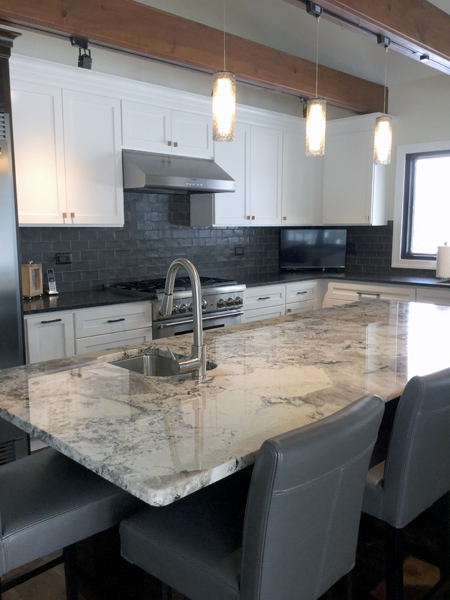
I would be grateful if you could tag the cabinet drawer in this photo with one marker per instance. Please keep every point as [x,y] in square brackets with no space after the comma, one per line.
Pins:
[258,314]
[112,319]
[112,340]
[299,307]
[340,293]
[301,292]
[259,297]
[433,296]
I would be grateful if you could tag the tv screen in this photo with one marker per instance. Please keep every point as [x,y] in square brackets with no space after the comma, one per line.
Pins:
[312,248]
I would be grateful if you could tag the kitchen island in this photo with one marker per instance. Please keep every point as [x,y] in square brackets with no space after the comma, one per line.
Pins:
[162,438]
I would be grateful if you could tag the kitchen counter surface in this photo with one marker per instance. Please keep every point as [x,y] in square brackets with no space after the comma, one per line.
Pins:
[74,300]
[163,438]
[292,276]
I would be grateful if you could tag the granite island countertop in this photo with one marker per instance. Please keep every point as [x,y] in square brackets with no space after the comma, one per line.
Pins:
[163,438]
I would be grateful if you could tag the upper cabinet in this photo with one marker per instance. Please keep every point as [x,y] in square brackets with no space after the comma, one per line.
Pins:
[67,147]
[276,184]
[354,188]
[154,128]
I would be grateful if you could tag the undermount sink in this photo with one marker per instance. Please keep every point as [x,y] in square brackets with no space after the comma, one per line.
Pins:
[155,365]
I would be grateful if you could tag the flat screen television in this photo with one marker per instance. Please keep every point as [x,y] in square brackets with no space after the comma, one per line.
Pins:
[312,248]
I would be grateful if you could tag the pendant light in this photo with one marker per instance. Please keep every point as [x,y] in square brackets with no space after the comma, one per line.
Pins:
[224,100]
[383,125]
[315,107]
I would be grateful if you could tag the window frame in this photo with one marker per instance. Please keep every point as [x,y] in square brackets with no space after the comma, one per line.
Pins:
[402,213]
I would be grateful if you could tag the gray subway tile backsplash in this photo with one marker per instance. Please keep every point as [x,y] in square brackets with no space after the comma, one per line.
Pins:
[157,231]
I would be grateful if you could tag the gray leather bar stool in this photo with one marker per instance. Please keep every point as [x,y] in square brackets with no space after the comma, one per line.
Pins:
[415,473]
[292,535]
[49,502]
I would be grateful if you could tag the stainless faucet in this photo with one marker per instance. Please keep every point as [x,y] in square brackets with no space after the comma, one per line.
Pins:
[197,361]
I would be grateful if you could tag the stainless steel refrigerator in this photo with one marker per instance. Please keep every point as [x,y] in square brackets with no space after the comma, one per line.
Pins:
[13,442]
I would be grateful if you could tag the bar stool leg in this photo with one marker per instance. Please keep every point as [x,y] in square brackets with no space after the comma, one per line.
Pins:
[394,555]
[71,572]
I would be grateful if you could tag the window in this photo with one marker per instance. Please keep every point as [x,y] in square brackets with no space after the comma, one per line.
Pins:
[426,206]
[422,204]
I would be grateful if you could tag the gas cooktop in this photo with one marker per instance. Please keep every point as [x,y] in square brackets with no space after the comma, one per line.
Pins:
[181,283]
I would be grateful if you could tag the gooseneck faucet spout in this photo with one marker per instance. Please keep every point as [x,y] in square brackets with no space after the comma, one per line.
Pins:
[197,361]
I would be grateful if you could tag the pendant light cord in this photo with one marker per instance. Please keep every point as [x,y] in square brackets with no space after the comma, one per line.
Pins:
[224,2]
[385,80]
[317,55]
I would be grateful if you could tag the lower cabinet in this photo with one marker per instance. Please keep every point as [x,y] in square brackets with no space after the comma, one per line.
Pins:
[343,293]
[433,296]
[266,302]
[66,333]
[48,336]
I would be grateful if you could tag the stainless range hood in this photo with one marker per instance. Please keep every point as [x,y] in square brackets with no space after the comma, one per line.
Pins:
[147,172]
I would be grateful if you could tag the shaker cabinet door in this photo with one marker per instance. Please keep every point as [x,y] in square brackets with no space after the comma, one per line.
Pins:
[49,336]
[39,153]
[93,155]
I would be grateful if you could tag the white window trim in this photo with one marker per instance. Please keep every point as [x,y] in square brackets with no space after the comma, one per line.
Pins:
[402,151]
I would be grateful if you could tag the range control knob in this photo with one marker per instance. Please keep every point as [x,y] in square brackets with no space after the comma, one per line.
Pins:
[221,303]
[230,301]
[183,308]
[238,300]
[204,304]
[175,310]
[189,307]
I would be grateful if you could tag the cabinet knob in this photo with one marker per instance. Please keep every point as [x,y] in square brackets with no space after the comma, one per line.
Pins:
[284,218]
[169,143]
[64,215]
[175,144]
[72,215]
[248,218]
[253,218]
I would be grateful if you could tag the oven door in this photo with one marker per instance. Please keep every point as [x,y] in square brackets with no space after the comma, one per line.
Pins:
[162,329]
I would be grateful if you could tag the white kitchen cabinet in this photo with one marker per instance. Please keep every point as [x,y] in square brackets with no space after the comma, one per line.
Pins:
[265,176]
[264,302]
[49,336]
[301,296]
[61,334]
[354,188]
[343,293]
[68,156]
[301,180]
[39,153]
[433,295]
[155,128]
[93,156]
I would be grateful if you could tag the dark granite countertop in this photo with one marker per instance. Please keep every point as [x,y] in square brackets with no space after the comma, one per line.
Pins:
[87,299]
[292,276]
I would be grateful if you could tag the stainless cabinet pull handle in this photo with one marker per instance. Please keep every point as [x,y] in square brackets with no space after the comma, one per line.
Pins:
[169,143]
[265,298]
[116,320]
[305,292]
[284,218]
[248,218]
[253,218]
[52,321]
[175,144]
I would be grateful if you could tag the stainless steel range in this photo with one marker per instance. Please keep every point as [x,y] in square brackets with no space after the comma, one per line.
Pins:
[222,304]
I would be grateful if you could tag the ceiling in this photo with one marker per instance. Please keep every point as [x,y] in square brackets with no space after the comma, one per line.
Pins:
[289,28]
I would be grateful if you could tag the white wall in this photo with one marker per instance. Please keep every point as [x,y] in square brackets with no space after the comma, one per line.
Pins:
[59,49]
[422,114]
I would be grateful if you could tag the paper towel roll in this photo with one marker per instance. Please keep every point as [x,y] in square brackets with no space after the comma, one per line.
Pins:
[443,262]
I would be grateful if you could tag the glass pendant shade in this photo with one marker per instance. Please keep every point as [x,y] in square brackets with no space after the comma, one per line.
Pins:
[383,140]
[315,127]
[224,106]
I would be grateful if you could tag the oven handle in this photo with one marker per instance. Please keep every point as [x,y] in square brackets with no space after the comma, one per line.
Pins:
[208,318]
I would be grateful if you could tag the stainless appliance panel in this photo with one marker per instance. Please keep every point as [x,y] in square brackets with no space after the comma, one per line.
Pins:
[163,329]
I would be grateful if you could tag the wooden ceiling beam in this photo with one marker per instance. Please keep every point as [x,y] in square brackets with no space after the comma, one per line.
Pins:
[416,28]
[132,26]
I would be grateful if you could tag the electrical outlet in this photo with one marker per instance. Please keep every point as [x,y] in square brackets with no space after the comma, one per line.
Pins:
[239,250]
[64,259]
